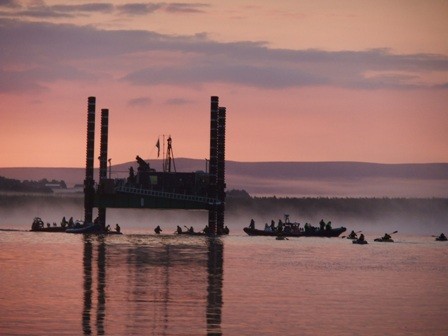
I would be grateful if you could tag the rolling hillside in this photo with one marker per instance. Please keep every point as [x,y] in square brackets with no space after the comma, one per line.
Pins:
[298,179]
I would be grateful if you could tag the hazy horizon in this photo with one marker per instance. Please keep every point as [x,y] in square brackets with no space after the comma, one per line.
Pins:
[230,161]
[294,179]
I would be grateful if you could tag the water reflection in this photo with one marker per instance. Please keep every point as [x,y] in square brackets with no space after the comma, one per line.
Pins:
[152,285]
[214,288]
[87,265]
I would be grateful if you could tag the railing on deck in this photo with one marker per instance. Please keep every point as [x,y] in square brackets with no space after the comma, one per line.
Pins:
[162,194]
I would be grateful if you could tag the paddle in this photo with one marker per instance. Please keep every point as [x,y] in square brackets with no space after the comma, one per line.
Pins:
[393,232]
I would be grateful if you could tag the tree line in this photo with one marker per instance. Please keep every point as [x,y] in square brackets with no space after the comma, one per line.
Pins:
[41,186]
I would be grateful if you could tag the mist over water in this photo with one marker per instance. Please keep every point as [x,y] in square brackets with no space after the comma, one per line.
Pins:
[376,215]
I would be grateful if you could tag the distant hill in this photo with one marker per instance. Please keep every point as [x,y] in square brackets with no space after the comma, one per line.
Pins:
[299,179]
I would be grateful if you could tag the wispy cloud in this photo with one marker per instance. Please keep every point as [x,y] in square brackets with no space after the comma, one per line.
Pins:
[178,101]
[185,7]
[10,4]
[51,48]
[149,8]
[44,11]
[140,102]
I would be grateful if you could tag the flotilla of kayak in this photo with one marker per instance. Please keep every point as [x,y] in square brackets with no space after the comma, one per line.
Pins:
[71,226]
[284,229]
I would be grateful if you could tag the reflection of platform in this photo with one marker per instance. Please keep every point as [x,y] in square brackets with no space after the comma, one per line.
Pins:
[142,284]
[127,197]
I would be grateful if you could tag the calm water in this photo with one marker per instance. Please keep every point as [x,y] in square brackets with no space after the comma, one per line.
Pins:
[142,284]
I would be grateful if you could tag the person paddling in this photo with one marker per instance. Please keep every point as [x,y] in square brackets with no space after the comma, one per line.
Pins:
[442,237]
[352,235]
[387,236]
[157,230]
[361,238]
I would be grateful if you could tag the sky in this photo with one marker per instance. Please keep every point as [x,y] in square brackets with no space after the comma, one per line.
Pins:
[301,80]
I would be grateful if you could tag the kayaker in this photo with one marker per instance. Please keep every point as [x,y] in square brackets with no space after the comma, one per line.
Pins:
[361,237]
[387,236]
[206,230]
[226,230]
[191,230]
[252,224]
[157,230]
[117,227]
[352,235]
[179,229]
[442,236]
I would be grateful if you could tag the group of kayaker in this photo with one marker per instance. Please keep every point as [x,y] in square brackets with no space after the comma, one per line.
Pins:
[362,240]
[190,230]
[386,238]
[117,228]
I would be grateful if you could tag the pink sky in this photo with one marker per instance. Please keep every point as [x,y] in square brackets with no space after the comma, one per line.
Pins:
[301,80]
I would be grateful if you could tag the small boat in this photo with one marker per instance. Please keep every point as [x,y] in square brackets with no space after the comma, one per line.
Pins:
[39,226]
[383,240]
[290,233]
[441,238]
[293,229]
[360,242]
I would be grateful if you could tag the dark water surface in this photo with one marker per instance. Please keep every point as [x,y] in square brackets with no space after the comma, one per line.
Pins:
[142,284]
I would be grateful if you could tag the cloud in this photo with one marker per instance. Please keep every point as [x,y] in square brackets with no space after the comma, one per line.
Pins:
[185,7]
[43,11]
[178,101]
[139,8]
[140,102]
[89,8]
[10,4]
[149,8]
[54,48]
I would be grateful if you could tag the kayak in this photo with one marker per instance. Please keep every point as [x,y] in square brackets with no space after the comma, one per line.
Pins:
[441,239]
[382,240]
[360,242]
[91,229]
[191,233]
